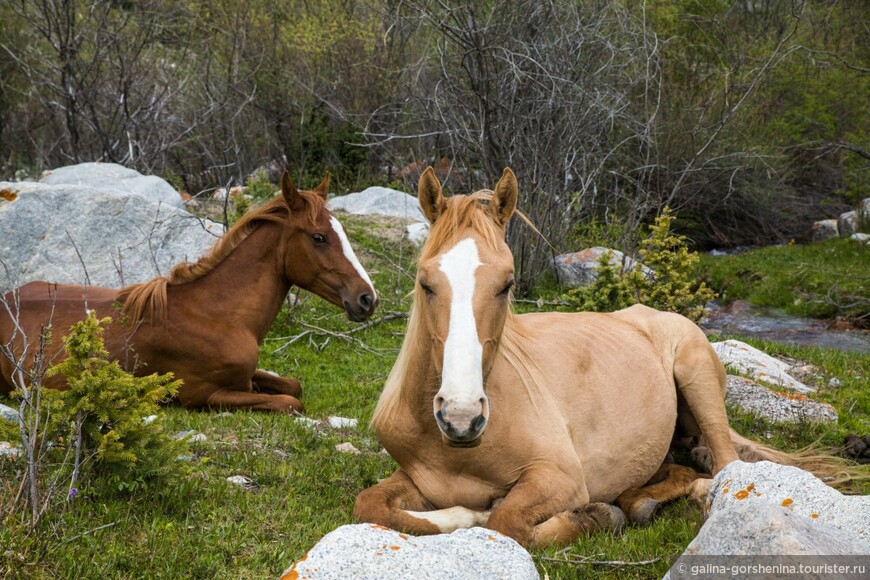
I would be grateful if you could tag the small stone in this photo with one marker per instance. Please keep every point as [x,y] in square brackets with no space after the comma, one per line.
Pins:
[9,450]
[191,435]
[342,422]
[834,383]
[242,481]
[149,419]
[308,422]
[347,448]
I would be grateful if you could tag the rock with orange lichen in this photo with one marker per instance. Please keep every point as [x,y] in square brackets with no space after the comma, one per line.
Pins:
[367,551]
[759,365]
[779,407]
[769,509]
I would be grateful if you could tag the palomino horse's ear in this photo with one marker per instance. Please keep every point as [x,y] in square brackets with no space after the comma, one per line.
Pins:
[290,193]
[323,189]
[429,194]
[504,199]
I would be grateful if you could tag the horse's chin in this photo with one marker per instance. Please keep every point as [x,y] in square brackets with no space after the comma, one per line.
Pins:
[462,444]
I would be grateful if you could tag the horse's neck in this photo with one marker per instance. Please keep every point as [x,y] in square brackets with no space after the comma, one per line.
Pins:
[248,287]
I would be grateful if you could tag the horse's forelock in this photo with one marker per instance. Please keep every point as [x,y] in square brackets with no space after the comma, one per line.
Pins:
[462,212]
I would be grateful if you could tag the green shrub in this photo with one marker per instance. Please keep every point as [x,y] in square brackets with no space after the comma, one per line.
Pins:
[670,288]
[103,413]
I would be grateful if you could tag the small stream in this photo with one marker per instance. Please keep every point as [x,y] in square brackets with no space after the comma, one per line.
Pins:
[742,319]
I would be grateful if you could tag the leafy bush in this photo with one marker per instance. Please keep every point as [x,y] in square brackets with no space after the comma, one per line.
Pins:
[669,288]
[104,411]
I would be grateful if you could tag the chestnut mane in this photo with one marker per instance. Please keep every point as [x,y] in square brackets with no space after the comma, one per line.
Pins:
[148,299]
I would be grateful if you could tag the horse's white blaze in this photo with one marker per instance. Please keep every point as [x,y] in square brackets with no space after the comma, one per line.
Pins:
[452,519]
[462,370]
[349,254]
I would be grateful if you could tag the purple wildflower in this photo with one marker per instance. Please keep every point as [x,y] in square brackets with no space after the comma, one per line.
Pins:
[72,492]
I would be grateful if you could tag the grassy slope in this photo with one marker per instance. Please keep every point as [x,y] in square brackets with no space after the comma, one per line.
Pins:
[211,528]
[830,279]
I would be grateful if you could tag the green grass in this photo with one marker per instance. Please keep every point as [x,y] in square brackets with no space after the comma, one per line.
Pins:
[825,280]
[206,527]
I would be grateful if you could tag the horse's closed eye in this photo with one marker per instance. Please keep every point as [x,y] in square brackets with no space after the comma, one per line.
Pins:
[506,289]
[318,238]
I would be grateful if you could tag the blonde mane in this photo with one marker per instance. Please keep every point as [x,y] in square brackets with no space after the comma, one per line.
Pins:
[148,299]
[462,212]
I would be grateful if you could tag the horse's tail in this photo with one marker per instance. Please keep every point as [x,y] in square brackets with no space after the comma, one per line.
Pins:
[834,470]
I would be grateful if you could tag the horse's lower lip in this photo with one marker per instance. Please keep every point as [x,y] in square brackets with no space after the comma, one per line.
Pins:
[463,444]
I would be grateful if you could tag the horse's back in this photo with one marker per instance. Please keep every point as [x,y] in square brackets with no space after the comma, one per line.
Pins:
[29,309]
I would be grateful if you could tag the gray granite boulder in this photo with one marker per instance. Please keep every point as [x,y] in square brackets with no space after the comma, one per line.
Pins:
[73,234]
[824,230]
[758,511]
[578,269]
[762,367]
[115,179]
[794,490]
[775,406]
[848,223]
[367,551]
[379,201]
[8,414]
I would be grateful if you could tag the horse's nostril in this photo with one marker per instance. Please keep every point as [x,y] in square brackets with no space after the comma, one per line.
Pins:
[365,300]
[478,423]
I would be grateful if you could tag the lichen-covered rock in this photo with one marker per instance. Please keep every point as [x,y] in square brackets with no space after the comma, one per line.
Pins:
[8,414]
[793,489]
[371,552]
[578,269]
[761,366]
[780,407]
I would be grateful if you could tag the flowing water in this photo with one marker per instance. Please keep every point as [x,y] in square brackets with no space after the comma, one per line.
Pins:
[741,319]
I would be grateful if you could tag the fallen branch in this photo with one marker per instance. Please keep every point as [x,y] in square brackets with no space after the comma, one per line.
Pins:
[83,534]
[586,560]
[311,329]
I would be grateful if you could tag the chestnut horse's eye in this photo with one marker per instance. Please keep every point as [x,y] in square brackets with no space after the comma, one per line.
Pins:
[318,238]
[427,289]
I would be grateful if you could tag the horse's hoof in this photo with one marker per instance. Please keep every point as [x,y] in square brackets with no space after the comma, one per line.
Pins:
[703,458]
[607,517]
[643,510]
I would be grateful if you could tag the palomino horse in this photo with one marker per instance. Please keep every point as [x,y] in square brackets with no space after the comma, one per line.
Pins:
[532,424]
[205,321]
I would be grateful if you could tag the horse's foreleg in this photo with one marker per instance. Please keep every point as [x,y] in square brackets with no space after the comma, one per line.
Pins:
[547,505]
[669,482]
[230,399]
[565,527]
[269,383]
[395,503]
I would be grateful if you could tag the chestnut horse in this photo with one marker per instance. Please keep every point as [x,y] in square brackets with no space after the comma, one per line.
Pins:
[532,424]
[206,320]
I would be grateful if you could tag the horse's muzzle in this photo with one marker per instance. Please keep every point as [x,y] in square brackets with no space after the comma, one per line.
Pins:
[361,308]
[470,437]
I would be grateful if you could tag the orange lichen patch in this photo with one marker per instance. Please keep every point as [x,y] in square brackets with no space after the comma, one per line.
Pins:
[378,554]
[814,515]
[377,527]
[750,487]
[793,396]
[491,538]
[403,536]
[395,548]
[291,574]
[8,195]
[725,490]
[742,494]
[787,502]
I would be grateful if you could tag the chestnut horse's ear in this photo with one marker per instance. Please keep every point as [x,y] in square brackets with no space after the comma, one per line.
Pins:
[504,199]
[323,189]
[429,193]
[290,193]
